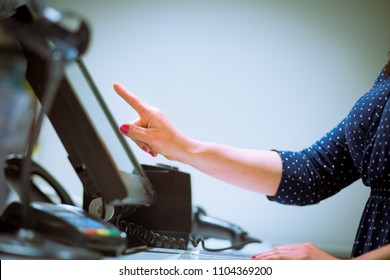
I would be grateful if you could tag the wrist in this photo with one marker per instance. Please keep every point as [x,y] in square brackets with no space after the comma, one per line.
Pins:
[188,150]
[181,148]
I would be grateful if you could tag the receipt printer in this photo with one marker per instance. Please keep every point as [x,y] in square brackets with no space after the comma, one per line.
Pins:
[167,222]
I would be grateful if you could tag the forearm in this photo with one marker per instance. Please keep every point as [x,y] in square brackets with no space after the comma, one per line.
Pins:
[254,170]
[382,253]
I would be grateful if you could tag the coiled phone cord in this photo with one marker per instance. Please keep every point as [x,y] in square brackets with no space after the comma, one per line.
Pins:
[151,238]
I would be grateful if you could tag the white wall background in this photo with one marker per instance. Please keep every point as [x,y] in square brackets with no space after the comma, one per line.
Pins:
[257,74]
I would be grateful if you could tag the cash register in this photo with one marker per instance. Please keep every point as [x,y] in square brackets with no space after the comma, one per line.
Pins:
[128,208]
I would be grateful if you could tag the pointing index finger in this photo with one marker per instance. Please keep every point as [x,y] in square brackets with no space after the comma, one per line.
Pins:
[131,99]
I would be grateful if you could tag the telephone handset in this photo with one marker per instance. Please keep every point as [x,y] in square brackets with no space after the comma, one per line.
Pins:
[205,227]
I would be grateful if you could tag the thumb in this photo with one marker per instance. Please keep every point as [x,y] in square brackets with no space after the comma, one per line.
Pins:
[138,135]
[135,132]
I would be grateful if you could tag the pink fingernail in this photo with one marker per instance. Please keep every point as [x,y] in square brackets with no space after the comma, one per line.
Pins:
[144,149]
[153,154]
[124,128]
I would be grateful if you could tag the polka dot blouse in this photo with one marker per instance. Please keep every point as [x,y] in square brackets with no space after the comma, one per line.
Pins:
[357,148]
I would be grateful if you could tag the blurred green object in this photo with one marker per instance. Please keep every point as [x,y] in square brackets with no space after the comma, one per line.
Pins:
[17,109]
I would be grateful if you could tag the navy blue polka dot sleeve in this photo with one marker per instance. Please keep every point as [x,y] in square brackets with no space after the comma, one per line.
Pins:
[317,172]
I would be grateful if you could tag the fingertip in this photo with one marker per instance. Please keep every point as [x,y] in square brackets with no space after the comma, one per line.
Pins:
[148,150]
[257,257]
[153,153]
[122,91]
[124,129]
[117,86]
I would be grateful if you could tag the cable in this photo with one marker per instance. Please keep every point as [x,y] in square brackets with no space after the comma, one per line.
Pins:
[233,247]
[140,235]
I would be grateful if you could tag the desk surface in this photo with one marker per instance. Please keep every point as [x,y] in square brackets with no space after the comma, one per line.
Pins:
[143,253]
[197,253]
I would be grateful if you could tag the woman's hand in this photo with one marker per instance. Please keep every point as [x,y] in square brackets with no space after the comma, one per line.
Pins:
[152,131]
[305,251]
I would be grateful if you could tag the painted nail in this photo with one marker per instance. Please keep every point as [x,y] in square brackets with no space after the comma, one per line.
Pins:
[124,128]
[144,149]
[257,258]
[153,154]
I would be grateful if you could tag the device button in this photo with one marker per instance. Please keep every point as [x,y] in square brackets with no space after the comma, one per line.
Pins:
[114,233]
[102,232]
[90,231]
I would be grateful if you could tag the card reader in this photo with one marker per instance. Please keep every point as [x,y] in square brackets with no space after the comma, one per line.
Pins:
[69,225]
